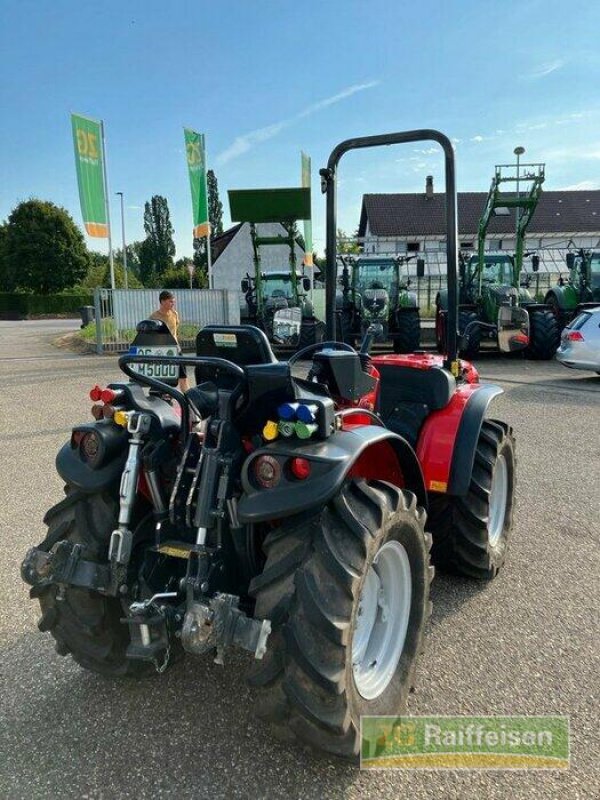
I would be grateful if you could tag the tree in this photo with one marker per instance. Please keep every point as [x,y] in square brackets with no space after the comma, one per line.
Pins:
[215,218]
[44,250]
[347,244]
[215,206]
[158,248]
[99,272]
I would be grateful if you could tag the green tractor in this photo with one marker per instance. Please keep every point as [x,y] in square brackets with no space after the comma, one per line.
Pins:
[277,301]
[490,284]
[580,290]
[374,290]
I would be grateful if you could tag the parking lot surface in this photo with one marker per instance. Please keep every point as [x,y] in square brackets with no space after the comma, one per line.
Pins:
[528,643]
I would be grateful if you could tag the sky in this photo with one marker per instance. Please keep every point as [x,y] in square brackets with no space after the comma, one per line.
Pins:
[267,79]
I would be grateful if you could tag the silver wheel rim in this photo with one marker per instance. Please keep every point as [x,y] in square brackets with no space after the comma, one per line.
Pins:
[382,620]
[498,497]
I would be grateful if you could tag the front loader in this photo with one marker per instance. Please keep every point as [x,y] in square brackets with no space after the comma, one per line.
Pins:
[490,285]
[290,509]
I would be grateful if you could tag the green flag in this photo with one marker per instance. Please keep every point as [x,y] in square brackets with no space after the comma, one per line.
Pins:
[87,139]
[194,150]
[308,253]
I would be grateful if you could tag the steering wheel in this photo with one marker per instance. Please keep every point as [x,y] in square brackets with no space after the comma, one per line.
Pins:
[320,346]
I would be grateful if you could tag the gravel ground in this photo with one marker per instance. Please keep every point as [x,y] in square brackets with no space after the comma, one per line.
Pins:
[525,644]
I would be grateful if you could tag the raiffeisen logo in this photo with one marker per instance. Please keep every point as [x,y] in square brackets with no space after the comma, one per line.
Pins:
[465,743]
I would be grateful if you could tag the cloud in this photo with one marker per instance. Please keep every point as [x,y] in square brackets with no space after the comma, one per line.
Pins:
[477,138]
[242,144]
[547,68]
[429,151]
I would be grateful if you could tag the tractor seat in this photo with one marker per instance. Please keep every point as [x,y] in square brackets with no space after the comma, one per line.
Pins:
[242,344]
[407,396]
[267,383]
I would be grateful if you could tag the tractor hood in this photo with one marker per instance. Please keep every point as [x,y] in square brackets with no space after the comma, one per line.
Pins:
[375,302]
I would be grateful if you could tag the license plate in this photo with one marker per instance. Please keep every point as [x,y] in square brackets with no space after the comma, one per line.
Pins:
[161,371]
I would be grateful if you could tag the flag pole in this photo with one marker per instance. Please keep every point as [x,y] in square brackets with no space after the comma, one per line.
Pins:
[208,253]
[107,204]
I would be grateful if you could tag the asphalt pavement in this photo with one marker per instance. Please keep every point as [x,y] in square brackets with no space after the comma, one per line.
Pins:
[528,643]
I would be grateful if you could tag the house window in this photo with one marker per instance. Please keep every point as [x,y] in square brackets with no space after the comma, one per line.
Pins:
[466,245]
[413,247]
[499,244]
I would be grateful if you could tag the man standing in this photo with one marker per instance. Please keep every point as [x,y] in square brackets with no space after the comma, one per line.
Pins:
[167,314]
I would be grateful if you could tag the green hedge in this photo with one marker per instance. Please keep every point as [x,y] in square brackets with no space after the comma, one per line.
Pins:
[23,305]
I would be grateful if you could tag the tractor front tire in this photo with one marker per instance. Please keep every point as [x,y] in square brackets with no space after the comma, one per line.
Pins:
[311,332]
[544,335]
[470,533]
[84,623]
[333,586]
[408,335]
[472,348]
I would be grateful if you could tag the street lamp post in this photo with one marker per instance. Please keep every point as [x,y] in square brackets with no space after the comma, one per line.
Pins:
[518,151]
[124,245]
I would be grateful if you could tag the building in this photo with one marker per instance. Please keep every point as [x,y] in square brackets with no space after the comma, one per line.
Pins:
[415,224]
[232,255]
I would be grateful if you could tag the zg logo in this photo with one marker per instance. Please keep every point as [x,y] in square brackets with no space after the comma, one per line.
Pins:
[404,734]
[194,154]
[87,144]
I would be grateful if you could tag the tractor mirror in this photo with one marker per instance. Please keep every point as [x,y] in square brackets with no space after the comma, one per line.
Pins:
[535,262]
[570,260]
[513,329]
[245,286]
[420,267]
[306,284]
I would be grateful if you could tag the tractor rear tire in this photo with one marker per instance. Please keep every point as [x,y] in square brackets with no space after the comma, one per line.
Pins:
[313,591]
[472,348]
[470,533]
[544,335]
[408,335]
[84,623]
[311,332]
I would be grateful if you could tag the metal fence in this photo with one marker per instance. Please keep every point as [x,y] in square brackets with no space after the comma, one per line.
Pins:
[118,311]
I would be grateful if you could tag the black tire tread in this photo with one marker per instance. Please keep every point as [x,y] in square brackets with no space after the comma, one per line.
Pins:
[408,334]
[84,623]
[459,524]
[544,335]
[301,682]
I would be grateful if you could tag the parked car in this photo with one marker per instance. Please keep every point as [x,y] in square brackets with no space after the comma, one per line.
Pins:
[580,342]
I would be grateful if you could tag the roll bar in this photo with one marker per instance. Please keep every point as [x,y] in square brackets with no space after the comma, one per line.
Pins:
[328,187]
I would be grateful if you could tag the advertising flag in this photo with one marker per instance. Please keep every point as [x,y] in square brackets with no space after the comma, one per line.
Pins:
[194,150]
[87,139]
[308,257]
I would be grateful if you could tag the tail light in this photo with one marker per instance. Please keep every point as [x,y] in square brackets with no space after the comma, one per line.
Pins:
[267,471]
[300,468]
[574,336]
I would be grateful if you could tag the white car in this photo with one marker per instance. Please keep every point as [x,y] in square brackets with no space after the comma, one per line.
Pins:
[580,342]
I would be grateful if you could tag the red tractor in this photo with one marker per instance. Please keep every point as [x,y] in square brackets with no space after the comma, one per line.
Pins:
[290,516]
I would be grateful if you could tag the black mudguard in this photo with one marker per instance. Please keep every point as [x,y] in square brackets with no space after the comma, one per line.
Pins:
[465,445]
[73,470]
[331,461]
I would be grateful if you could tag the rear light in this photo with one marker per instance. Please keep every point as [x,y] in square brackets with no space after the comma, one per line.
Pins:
[90,446]
[574,336]
[96,394]
[267,471]
[97,411]
[300,468]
